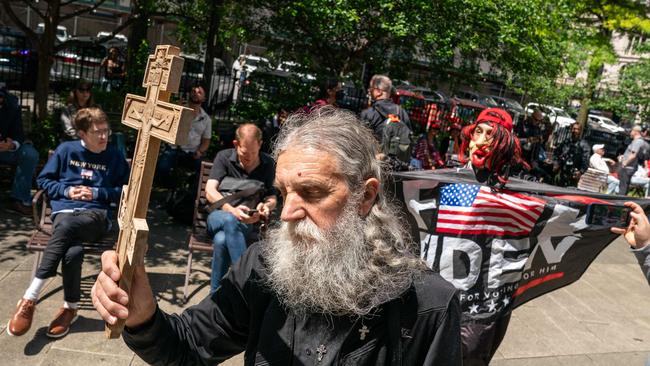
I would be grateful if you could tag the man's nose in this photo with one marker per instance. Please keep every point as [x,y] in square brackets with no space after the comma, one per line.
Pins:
[292,209]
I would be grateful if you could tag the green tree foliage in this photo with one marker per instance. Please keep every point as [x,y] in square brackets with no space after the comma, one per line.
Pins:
[595,23]
[336,37]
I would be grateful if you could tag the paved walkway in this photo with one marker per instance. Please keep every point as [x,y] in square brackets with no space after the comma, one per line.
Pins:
[600,320]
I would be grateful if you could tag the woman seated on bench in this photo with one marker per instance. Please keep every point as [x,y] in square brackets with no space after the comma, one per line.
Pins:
[81,179]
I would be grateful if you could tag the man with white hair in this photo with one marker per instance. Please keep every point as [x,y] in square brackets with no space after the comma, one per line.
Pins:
[335,283]
[598,162]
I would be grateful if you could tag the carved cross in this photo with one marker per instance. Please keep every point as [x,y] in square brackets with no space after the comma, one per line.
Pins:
[156,120]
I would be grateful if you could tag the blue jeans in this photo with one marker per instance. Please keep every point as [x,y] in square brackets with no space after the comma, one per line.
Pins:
[229,241]
[25,160]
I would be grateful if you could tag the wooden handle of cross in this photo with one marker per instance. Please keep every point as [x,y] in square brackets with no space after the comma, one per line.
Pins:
[129,257]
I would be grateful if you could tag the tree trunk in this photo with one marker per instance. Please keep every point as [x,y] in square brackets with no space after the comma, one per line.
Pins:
[212,41]
[45,58]
[42,81]
[593,77]
[136,61]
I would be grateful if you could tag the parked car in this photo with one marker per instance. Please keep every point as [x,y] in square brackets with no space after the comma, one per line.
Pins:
[476,97]
[61,32]
[18,61]
[222,84]
[511,106]
[430,95]
[554,114]
[603,122]
[295,68]
[252,64]
[80,59]
[463,111]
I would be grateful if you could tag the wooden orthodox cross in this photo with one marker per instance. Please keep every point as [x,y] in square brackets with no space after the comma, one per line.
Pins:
[156,120]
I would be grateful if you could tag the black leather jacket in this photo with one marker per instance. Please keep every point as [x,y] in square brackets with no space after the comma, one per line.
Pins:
[422,327]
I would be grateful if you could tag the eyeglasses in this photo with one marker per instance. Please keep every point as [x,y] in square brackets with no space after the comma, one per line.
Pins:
[106,132]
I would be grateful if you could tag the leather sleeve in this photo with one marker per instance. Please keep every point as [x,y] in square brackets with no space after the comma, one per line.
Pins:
[208,333]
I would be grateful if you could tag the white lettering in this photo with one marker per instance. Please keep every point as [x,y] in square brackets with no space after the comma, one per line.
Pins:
[504,270]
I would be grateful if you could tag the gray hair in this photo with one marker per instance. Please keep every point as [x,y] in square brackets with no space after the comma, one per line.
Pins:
[381,82]
[342,135]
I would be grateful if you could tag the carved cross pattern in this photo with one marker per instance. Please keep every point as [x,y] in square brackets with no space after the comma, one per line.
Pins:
[156,120]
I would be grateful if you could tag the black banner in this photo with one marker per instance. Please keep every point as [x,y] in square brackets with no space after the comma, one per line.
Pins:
[502,248]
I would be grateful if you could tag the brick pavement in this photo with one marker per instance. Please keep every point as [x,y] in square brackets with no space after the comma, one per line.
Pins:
[600,320]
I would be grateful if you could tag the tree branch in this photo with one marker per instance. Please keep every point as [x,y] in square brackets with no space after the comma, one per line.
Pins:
[31,5]
[19,23]
[81,11]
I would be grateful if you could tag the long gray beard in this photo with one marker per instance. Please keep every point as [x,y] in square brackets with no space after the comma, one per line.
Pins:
[334,271]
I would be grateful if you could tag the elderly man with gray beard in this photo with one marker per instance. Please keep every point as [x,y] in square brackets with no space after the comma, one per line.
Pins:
[335,283]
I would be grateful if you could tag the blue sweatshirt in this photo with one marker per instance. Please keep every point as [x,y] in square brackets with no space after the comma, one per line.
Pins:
[73,165]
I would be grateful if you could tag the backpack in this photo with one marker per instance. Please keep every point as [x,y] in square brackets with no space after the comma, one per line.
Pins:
[397,140]
[180,204]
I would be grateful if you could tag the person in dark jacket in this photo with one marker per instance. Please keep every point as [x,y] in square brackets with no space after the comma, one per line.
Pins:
[335,283]
[375,116]
[16,151]
[81,179]
[571,158]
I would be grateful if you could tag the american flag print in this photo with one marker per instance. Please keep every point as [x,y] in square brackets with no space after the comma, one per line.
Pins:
[477,210]
[87,174]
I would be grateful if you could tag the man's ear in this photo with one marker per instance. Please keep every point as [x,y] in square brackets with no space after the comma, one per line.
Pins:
[235,143]
[371,189]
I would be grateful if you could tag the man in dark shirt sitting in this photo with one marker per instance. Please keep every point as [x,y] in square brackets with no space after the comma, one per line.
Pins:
[335,283]
[232,223]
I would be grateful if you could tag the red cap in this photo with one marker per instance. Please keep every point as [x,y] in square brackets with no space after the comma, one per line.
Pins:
[496,115]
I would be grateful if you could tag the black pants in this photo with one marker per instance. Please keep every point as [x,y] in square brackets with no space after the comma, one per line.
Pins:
[625,176]
[69,231]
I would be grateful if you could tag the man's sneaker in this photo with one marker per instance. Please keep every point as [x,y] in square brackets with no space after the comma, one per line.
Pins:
[60,326]
[20,323]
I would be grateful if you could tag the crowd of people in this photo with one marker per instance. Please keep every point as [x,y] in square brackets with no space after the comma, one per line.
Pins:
[337,273]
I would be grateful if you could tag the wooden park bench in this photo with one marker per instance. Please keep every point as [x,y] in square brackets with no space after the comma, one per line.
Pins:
[199,240]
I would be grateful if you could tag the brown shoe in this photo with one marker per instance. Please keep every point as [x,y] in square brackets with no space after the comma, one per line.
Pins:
[60,326]
[16,206]
[22,319]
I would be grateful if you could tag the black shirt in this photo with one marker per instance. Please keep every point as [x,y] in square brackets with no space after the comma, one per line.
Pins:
[245,315]
[226,164]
